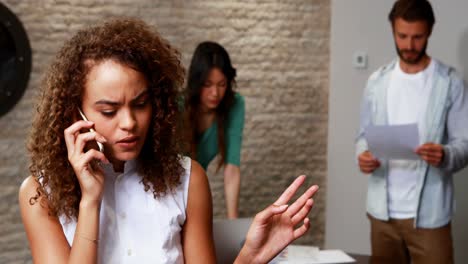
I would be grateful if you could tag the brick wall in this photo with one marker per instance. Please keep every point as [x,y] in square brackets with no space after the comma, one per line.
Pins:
[281,51]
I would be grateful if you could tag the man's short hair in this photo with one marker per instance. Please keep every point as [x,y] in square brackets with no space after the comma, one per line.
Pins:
[411,11]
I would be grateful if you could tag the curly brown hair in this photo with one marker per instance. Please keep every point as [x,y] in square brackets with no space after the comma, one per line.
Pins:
[132,43]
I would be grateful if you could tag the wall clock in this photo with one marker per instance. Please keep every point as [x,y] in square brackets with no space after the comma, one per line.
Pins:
[15,59]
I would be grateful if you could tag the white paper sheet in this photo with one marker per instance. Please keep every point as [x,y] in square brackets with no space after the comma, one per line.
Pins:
[311,255]
[393,142]
[333,256]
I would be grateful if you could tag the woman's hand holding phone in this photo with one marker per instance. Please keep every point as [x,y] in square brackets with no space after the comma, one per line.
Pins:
[90,175]
[99,144]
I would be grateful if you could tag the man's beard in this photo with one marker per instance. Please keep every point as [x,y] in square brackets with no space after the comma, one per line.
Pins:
[416,60]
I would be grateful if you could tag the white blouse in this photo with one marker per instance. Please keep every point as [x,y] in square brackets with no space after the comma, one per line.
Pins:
[134,226]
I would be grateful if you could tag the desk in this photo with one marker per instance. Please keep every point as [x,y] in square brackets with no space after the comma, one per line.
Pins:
[365,259]
[360,259]
[309,254]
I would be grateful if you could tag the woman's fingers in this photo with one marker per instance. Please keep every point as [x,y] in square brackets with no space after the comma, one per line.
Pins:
[301,201]
[290,191]
[83,138]
[302,214]
[71,132]
[300,231]
[77,141]
[270,211]
[85,163]
[93,154]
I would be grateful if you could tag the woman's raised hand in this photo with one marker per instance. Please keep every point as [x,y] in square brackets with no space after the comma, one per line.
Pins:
[274,228]
[89,174]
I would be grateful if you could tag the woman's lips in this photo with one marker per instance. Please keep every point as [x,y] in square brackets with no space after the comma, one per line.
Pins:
[128,142]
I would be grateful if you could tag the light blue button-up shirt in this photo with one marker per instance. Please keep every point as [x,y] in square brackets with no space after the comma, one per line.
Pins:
[446,123]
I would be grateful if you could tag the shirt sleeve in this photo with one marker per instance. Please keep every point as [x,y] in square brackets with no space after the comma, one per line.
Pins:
[456,150]
[365,119]
[234,130]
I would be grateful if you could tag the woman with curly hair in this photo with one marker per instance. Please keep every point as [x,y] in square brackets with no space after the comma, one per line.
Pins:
[215,114]
[132,198]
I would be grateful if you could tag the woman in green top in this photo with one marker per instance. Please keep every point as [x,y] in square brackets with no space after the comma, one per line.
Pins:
[215,114]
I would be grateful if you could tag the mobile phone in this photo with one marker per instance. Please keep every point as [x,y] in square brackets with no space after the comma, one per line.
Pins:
[100,145]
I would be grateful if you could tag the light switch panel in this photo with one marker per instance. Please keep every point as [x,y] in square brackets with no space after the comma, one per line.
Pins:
[360,60]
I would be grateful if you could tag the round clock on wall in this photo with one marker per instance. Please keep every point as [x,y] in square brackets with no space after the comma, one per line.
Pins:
[15,59]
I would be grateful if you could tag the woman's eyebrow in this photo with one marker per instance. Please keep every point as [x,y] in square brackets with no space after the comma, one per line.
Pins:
[139,96]
[107,102]
[114,103]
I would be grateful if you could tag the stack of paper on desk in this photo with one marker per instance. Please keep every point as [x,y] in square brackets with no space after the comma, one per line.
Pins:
[311,255]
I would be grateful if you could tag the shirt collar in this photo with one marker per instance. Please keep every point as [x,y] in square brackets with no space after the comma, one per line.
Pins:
[129,167]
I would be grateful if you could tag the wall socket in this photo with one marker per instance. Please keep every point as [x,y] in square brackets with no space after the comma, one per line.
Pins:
[360,60]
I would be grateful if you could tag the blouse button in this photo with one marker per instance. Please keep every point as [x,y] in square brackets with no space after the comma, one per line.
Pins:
[129,252]
[119,177]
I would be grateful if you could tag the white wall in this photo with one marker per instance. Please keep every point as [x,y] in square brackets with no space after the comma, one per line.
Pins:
[361,25]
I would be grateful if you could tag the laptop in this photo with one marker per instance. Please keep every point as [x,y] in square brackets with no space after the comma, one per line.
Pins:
[229,237]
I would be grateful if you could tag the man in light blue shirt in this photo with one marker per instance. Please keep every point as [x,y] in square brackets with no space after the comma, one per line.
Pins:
[410,203]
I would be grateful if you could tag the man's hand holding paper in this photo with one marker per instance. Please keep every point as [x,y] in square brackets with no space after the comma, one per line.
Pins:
[397,142]
[432,153]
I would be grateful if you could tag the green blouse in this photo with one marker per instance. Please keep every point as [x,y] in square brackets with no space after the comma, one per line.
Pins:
[207,147]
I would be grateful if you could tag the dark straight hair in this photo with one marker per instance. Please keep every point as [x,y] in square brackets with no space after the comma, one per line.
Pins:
[207,56]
